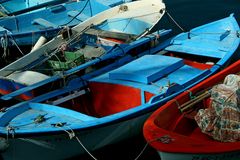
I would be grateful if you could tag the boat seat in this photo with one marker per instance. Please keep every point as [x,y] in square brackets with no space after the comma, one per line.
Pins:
[81,17]
[27,77]
[57,8]
[147,69]
[202,44]
[44,23]
[69,97]
[110,34]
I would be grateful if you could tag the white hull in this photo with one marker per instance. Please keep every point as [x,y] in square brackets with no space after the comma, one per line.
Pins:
[56,147]
[181,156]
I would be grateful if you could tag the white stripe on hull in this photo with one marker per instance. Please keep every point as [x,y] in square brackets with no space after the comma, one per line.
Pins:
[181,156]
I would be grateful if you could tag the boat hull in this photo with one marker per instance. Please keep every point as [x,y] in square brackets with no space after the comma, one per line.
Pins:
[7,86]
[60,146]
[46,22]
[181,156]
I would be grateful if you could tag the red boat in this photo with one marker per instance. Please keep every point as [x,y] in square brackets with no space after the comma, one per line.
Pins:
[174,133]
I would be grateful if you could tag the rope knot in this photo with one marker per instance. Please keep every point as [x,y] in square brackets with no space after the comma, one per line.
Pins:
[71,135]
[60,124]
[190,94]
[4,109]
[166,139]
[39,119]
[10,130]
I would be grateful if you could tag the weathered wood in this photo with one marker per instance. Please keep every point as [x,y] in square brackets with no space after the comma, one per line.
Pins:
[109,34]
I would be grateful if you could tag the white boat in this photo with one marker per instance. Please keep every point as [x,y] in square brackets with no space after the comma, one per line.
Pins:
[129,21]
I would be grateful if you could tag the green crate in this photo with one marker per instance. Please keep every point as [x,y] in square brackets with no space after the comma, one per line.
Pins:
[72,59]
[58,65]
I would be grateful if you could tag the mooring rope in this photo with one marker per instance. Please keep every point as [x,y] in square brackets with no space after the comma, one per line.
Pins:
[166,139]
[4,44]
[175,22]
[140,154]
[15,43]
[10,130]
[73,135]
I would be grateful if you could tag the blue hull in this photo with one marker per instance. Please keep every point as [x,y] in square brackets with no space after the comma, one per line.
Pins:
[15,7]
[25,29]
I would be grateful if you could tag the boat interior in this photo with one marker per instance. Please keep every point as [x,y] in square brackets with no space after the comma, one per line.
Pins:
[183,123]
[9,7]
[113,92]
[92,44]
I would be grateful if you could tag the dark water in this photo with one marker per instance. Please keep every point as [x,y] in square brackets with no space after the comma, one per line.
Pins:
[189,14]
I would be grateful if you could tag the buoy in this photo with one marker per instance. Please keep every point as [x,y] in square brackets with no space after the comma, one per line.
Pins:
[39,43]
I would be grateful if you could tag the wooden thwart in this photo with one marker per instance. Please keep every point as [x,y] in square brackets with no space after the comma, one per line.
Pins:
[109,34]
[189,104]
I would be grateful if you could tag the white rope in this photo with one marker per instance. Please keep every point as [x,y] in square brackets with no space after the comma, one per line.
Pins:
[144,148]
[85,148]
[72,135]
[4,44]
[15,43]
[175,22]
[164,139]
[10,130]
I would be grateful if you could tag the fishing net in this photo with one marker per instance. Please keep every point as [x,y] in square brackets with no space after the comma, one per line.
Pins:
[221,120]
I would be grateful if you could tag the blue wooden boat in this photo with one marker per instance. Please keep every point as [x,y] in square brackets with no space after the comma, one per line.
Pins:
[26,29]
[113,106]
[14,7]
[108,35]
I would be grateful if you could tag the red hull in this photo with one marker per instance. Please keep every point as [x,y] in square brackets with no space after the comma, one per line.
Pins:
[168,130]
